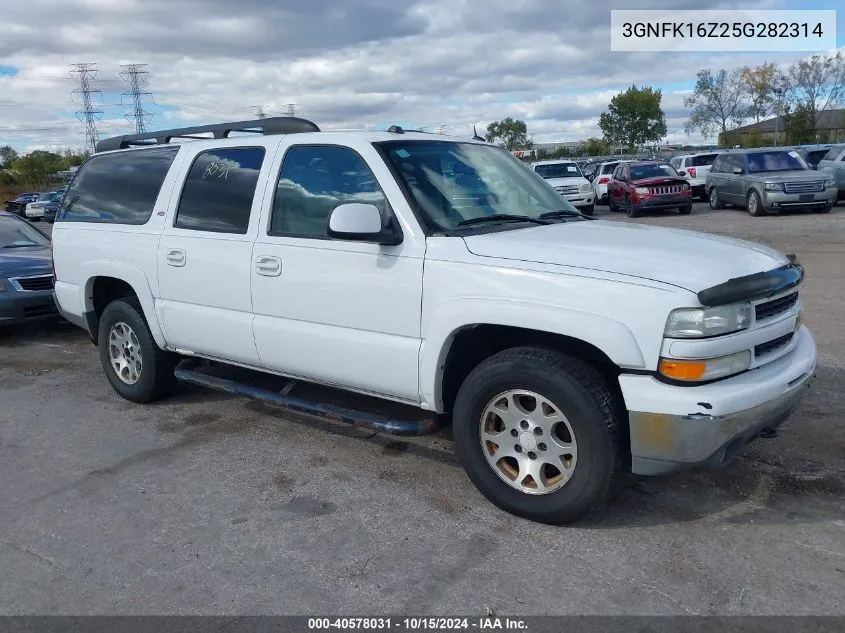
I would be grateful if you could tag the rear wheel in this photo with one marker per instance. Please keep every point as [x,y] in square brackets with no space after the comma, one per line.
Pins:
[612,205]
[715,202]
[755,206]
[538,434]
[135,366]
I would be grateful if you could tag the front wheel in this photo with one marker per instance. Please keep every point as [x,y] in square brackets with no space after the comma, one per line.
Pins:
[590,210]
[755,206]
[630,209]
[715,202]
[136,367]
[537,432]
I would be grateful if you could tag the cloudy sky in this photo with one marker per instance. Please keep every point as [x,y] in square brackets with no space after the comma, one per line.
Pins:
[347,64]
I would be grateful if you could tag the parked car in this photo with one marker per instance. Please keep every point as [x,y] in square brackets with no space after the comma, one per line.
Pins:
[834,164]
[26,273]
[564,350]
[648,186]
[813,154]
[18,205]
[601,180]
[768,181]
[568,180]
[695,167]
[45,207]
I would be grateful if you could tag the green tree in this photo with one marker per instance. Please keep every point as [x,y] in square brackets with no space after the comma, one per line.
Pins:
[7,155]
[717,103]
[596,147]
[509,133]
[759,84]
[815,84]
[35,167]
[799,125]
[634,118]
[71,158]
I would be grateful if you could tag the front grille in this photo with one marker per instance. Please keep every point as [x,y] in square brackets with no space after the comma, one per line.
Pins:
[662,191]
[773,345]
[803,187]
[32,284]
[33,312]
[776,306]
[567,190]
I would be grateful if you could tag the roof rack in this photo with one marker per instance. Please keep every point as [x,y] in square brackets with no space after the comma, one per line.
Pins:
[267,126]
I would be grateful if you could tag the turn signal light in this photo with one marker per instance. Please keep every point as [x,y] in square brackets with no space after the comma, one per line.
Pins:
[702,369]
[683,369]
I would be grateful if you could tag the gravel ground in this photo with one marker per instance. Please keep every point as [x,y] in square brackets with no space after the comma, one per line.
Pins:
[206,503]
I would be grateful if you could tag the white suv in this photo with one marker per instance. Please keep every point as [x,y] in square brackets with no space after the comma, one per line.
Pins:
[438,273]
[695,167]
[566,178]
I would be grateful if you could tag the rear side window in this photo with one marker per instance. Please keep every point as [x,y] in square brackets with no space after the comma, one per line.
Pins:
[834,153]
[219,190]
[608,169]
[704,160]
[118,188]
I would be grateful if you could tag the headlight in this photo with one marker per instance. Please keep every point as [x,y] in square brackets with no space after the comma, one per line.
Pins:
[586,187]
[774,186]
[703,322]
[643,190]
[700,370]
[829,183]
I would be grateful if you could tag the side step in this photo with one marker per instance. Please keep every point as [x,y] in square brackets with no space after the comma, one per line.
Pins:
[196,372]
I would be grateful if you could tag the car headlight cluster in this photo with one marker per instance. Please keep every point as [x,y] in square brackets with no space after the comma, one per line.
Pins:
[773,186]
[586,187]
[704,322]
[829,183]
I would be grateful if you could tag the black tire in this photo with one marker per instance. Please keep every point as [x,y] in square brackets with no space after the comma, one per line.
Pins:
[685,210]
[825,209]
[611,206]
[714,200]
[589,210]
[156,378]
[590,408]
[630,209]
[754,204]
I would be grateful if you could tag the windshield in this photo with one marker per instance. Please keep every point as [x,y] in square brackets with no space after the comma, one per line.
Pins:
[759,162]
[452,182]
[655,170]
[558,170]
[14,233]
[48,197]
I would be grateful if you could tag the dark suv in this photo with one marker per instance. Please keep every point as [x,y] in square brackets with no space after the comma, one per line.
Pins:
[768,181]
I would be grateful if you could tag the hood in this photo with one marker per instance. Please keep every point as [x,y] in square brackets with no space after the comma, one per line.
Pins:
[682,258]
[788,176]
[29,260]
[658,180]
[574,180]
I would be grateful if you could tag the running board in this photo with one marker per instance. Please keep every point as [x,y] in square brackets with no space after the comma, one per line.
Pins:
[191,371]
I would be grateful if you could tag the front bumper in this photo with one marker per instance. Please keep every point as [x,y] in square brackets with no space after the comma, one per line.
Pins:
[35,213]
[23,307]
[580,201]
[778,200]
[673,427]
[664,202]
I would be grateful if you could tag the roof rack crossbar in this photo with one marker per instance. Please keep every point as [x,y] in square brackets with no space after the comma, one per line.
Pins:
[268,126]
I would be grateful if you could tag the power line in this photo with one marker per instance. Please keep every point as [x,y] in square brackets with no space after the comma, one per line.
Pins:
[84,74]
[135,76]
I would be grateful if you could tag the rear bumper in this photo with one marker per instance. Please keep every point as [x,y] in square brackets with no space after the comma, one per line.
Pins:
[19,307]
[676,427]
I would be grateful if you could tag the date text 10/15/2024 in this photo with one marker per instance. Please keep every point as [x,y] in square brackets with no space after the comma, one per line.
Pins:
[490,623]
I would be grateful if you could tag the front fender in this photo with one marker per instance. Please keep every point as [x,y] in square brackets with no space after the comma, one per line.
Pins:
[135,278]
[612,337]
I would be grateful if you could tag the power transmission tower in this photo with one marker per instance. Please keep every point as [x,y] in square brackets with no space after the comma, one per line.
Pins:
[84,74]
[291,109]
[136,76]
[259,112]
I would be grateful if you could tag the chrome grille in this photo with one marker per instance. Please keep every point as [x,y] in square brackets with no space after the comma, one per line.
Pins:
[803,187]
[775,306]
[667,189]
[33,284]
[773,345]
[567,190]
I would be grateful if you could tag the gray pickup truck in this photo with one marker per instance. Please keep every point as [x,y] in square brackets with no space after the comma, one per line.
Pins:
[769,181]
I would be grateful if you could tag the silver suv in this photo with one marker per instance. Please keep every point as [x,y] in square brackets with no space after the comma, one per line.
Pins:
[769,181]
[834,163]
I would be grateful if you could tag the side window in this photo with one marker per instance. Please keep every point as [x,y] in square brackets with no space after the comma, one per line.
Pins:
[218,192]
[119,188]
[313,181]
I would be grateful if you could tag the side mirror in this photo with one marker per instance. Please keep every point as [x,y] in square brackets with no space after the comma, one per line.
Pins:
[591,177]
[359,222]
[738,171]
[682,172]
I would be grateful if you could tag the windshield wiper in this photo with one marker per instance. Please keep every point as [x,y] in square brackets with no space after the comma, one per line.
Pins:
[564,213]
[20,245]
[500,217]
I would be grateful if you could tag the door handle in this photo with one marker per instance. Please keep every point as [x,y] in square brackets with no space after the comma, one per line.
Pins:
[175,257]
[268,266]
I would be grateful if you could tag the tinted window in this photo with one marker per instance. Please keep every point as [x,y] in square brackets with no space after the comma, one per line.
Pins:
[219,190]
[313,181]
[656,170]
[834,153]
[719,165]
[15,233]
[608,168]
[118,188]
[558,170]
[759,162]
[703,160]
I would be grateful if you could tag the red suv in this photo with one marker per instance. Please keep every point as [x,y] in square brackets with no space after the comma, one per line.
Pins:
[644,186]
